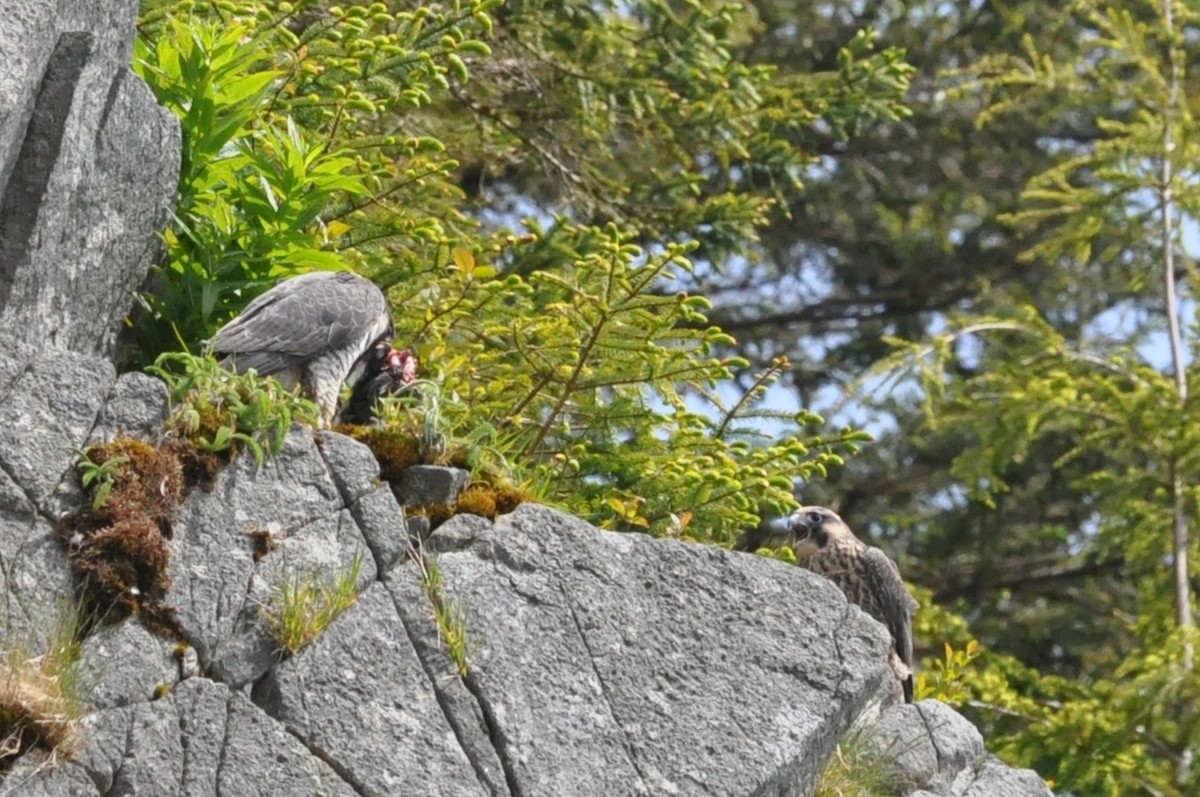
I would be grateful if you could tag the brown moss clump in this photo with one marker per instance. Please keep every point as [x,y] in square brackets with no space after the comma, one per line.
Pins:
[149,482]
[124,564]
[395,450]
[478,499]
[200,468]
[489,500]
[459,457]
[509,497]
[117,543]
[437,513]
[262,542]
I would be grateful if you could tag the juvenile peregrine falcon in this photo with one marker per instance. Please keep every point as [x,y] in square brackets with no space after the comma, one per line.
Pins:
[314,331]
[826,546]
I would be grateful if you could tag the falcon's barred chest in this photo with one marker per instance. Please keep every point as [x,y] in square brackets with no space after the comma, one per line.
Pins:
[866,576]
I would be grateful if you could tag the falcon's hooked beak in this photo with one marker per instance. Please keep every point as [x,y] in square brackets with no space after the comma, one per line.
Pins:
[808,533]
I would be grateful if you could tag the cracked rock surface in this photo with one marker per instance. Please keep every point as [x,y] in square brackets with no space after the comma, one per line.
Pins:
[935,751]
[88,171]
[657,667]
[596,664]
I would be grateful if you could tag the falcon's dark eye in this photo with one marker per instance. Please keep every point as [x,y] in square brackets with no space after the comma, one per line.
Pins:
[815,518]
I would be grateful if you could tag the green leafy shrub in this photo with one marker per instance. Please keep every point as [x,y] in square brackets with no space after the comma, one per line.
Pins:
[251,185]
[220,412]
[564,350]
[610,388]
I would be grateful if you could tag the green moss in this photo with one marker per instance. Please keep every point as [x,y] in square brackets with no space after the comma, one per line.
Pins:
[395,449]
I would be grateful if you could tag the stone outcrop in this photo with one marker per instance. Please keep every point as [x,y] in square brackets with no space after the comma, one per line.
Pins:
[594,663]
[89,164]
[933,751]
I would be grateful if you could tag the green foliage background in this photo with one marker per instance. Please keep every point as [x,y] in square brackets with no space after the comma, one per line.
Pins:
[610,230]
[319,136]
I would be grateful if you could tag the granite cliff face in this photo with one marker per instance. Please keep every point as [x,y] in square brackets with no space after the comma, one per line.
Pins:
[598,663]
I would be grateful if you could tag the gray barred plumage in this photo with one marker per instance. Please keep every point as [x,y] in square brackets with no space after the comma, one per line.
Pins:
[315,330]
[869,579]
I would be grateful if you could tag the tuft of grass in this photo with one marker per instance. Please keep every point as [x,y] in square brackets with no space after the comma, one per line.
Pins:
[304,605]
[41,694]
[858,769]
[449,615]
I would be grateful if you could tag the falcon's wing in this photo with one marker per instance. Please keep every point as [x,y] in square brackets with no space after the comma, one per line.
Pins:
[892,599]
[302,318]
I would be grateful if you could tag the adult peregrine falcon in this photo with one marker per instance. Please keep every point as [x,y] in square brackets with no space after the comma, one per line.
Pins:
[315,330]
[826,546]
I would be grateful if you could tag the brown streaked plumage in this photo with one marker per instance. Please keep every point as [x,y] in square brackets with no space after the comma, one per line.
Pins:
[869,579]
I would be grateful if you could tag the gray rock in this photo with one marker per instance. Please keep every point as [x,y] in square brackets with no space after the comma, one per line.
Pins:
[927,744]
[219,589]
[463,711]
[901,742]
[50,403]
[354,468]
[124,664]
[418,527]
[26,42]
[425,485]
[35,584]
[135,407]
[458,535]
[997,779]
[933,751]
[360,697]
[958,743]
[202,739]
[618,664]
[383,525]
[89,164]
[34,775]
[262,758]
